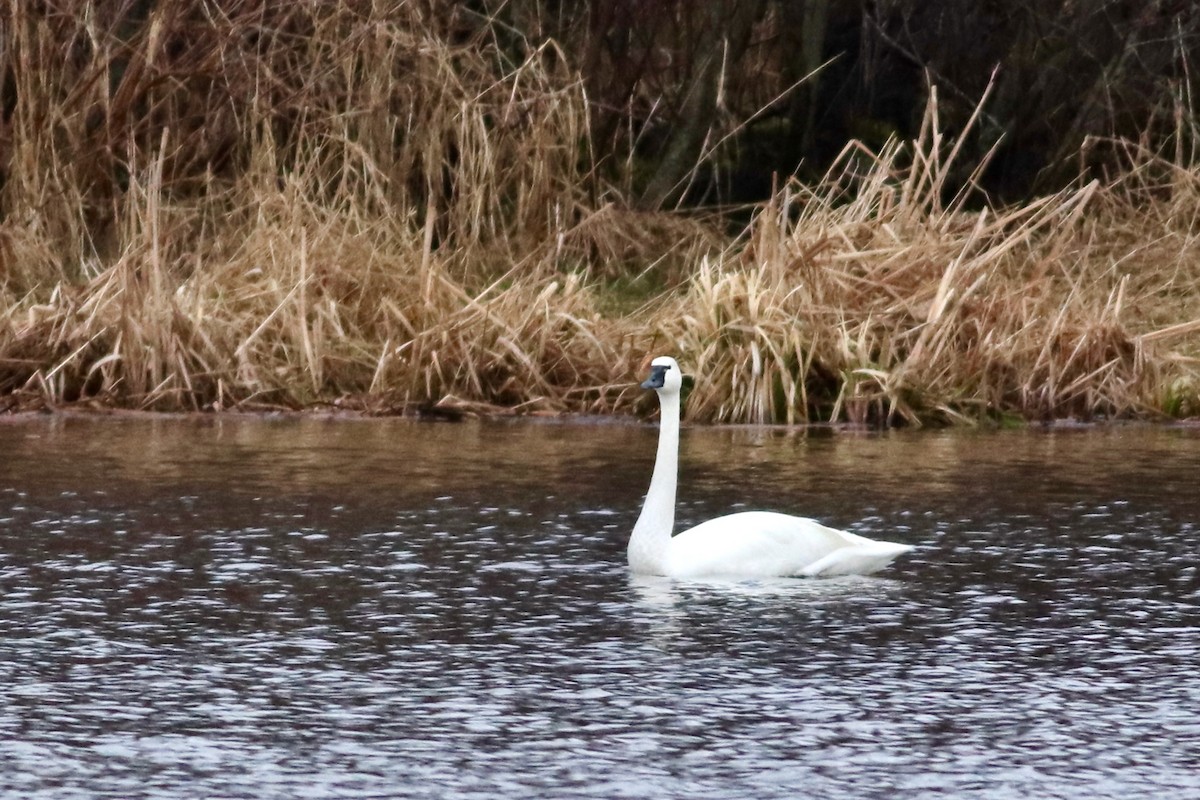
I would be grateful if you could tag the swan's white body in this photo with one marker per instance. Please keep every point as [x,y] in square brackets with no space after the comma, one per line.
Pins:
[751,543]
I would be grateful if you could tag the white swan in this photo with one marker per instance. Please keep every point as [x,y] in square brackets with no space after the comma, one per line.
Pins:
[751,543]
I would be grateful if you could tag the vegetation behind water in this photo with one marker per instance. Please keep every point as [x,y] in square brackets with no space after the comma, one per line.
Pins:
[407,205]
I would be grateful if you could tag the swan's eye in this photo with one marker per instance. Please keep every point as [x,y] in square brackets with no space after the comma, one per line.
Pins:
[657,379]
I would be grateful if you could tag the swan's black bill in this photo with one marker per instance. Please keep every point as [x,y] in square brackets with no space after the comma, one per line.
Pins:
[658,376]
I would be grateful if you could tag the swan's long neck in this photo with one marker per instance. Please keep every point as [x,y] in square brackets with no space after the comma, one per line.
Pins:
[652,533]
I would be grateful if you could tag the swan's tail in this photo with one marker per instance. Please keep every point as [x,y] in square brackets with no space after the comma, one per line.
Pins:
[857,559]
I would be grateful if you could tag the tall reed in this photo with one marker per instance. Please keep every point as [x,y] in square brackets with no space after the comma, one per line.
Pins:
[385,206]
[871,298]
[283,205]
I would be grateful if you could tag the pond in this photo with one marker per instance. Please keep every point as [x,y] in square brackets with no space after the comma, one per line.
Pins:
[248,607]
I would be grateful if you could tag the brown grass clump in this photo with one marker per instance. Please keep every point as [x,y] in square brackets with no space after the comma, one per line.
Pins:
[310,305]
[868,299]
[282,205]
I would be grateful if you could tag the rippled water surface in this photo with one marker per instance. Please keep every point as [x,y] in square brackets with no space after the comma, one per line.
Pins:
[319,608]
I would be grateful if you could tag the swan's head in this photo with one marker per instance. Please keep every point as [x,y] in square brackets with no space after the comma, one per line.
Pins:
[665,376]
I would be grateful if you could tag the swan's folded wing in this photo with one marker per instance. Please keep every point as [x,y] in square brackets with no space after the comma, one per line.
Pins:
[755,544]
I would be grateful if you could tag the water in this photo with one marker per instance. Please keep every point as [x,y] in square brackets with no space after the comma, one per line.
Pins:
[319,608]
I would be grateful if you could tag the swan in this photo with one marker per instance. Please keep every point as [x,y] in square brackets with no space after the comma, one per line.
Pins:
[753,544]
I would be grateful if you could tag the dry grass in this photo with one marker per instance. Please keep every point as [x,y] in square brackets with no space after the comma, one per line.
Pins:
[868,299]
[311,304]
[289,206]
[379,207]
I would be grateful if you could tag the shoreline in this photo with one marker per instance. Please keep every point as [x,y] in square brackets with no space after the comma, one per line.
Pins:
[323,412]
